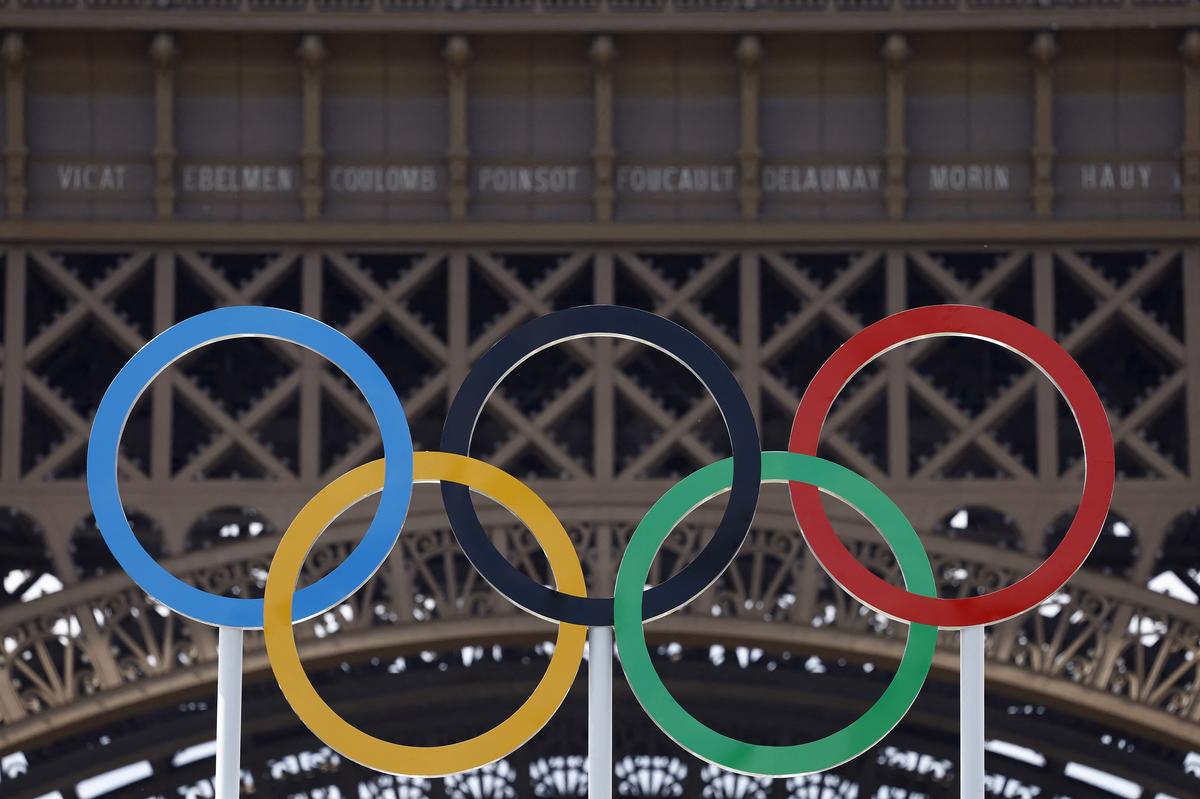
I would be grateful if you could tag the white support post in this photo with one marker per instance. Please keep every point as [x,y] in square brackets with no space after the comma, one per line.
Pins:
[970,712]
[229,712]
[600,665]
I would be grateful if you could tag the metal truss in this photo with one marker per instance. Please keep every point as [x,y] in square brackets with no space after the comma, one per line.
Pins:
[973,445]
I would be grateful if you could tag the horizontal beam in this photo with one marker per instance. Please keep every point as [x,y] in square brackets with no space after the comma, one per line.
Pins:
[581,233]
[671,17]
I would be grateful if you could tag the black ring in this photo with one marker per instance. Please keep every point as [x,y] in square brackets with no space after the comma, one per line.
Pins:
[646,328]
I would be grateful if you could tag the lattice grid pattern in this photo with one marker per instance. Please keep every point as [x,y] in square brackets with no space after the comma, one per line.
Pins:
[949,410]
[972,443]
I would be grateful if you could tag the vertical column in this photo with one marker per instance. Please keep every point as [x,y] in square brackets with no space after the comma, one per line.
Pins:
[604,396]
[164,53]
[749,54]
[228,782]
[14,365]
[15,151]
[600,663]
[1190,50]
[896,295]
[161,410]
[1191,338]
[310,372]
[895,54]
[1043,50]
[457,55]
[1046,398]
[603,153]
[458,329]
[602,571]
[750,330]
[312,58]
[971,771]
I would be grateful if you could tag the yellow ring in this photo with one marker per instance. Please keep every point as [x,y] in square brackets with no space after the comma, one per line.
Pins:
[385,756]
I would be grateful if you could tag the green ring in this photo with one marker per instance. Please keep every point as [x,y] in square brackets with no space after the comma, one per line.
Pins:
[730,753]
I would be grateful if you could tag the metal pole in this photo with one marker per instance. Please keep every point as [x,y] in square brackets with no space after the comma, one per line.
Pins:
[970,712]
[600,665]
[229,712]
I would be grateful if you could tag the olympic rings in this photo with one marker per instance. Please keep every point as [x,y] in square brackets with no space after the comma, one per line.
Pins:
[917,603]
[172,344]
[646,328]
[685,729]
[385,756]
[1037,348]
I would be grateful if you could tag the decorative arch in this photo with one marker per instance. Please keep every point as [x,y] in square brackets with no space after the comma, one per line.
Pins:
[982,525]
[26,570]
[1116,550]
[91,555]
[1177,564]
[225,525]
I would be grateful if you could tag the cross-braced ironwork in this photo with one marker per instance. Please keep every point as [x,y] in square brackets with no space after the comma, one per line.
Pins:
[970,441]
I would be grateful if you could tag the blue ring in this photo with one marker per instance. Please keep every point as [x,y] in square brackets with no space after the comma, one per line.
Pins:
[238,322]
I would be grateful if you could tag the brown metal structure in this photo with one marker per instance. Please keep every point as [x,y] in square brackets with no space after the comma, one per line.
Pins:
[427,176]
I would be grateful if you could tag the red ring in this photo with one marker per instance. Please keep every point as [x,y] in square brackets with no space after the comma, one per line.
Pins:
[1044,353]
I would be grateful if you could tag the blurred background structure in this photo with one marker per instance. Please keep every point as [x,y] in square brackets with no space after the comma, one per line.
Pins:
[426,175]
